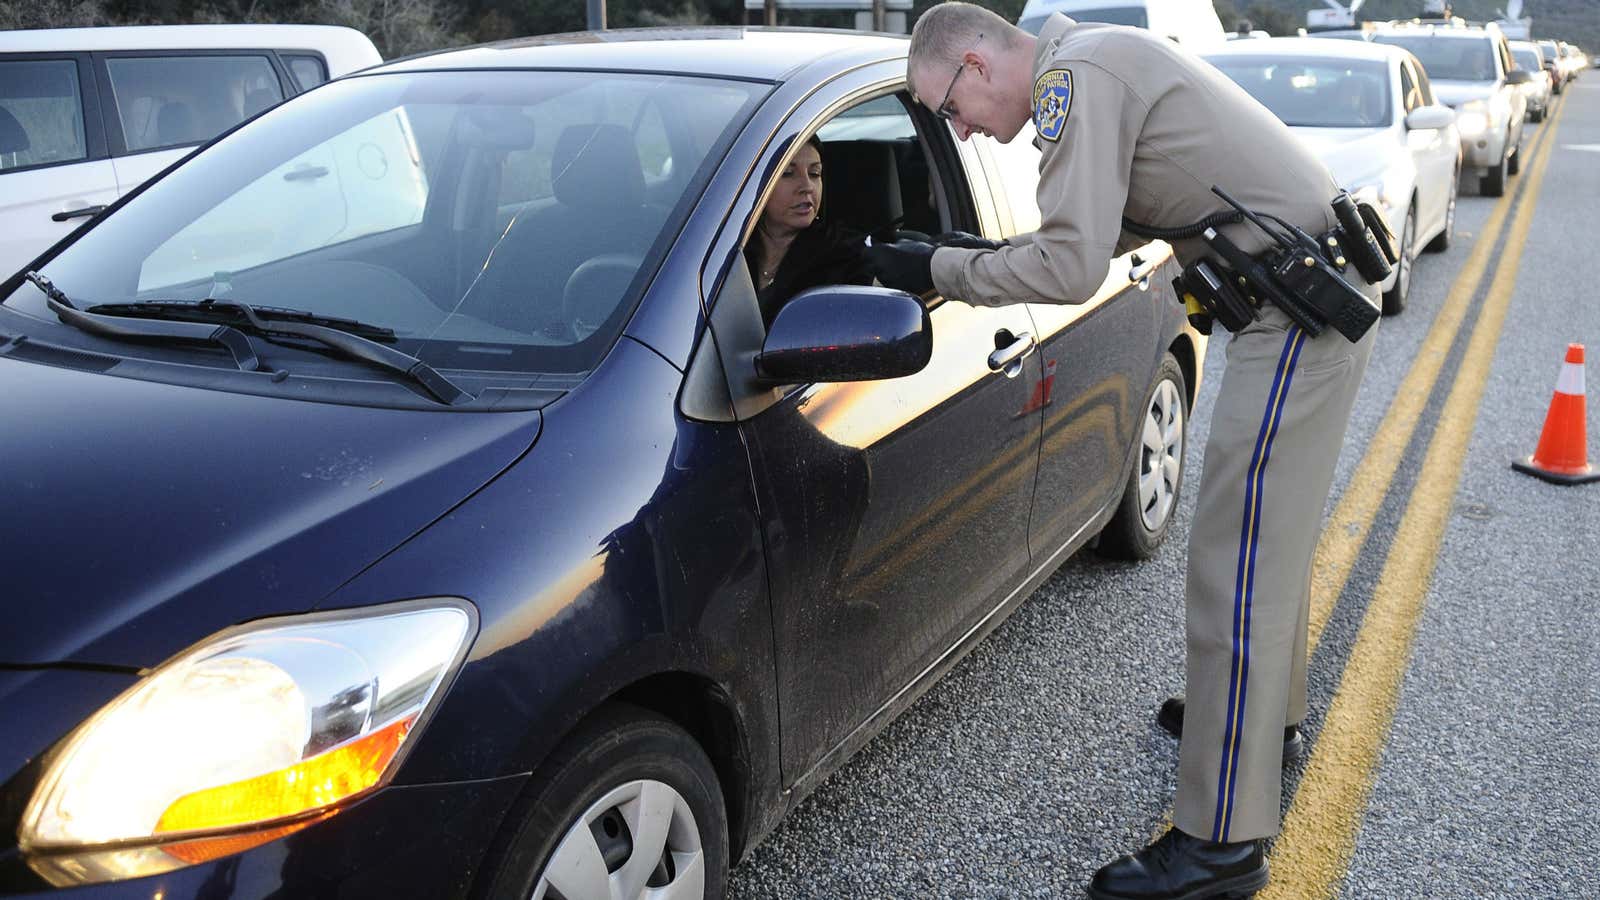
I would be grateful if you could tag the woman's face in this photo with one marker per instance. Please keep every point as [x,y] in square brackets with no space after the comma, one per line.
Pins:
[793,203]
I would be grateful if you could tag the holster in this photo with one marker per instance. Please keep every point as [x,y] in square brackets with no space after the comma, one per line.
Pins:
[1202,285]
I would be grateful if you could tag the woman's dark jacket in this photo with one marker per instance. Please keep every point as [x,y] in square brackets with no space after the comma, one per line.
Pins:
[821,254]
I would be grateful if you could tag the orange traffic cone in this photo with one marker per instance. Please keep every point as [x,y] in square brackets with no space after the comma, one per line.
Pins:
[1563,453]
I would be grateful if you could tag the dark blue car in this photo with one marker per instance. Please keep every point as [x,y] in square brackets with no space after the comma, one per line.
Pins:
[408,494]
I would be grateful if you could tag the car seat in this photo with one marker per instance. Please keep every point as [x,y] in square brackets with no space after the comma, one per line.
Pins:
[861,186]
[175,124]
[13,137]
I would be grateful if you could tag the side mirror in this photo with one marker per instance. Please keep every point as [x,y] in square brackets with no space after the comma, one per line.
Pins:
[1519,76]
[1424,118]
[846,333]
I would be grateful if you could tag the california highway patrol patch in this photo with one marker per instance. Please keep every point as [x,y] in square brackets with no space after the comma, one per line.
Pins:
[1052,100]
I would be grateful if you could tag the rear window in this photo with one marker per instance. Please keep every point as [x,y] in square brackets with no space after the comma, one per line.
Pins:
[1316,93]
[175,100]
[1448,58]
[308,71]
[41,114]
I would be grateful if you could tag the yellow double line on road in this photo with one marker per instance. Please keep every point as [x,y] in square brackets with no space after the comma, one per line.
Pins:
[1313,852]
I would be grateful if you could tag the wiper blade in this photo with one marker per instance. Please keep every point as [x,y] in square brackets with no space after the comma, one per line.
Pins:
[229,312]
[244,355]
[351,345]
[49,288]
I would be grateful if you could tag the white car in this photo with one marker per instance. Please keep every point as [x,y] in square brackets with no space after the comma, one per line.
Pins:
[89,114]
[1368,112]
[1473,71]
[1538,90]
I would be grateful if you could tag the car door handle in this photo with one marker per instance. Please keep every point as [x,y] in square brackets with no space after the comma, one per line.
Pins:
[83,213]
[305,173]
[1139,273]
[1008,359]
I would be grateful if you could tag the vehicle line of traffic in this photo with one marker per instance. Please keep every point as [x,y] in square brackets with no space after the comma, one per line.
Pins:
[1312,854]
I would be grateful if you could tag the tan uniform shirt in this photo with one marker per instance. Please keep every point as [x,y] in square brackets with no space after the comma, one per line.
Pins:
[1131,124]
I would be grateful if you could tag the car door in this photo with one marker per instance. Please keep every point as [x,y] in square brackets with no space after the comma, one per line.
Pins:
[162,104]
[895,512]
[53,168]
[1433,152]
[1097,366]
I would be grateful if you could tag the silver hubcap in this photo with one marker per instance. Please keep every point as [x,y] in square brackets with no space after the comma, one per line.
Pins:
[638,842]
[1162,456]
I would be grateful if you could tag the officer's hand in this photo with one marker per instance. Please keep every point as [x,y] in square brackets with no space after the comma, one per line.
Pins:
[966,241]
[903,265]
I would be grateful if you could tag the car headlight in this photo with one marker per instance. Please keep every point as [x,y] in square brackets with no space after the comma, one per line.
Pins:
[245,737]
[1472,119]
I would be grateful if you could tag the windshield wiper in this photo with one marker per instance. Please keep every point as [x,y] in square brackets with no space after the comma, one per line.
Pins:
[228,312]
[297,324]
[244,355]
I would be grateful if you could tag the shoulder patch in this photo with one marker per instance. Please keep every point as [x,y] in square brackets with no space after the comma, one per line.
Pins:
[1052,100]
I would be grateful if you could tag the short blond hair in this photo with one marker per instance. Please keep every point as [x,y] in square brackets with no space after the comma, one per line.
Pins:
[949,30]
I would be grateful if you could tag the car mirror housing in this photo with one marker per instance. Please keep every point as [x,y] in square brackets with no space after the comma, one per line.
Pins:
[846,333]
[1518,76]
[1427,117]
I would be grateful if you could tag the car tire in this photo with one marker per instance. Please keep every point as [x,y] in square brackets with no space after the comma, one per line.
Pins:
[1494,183]
[1394,299]
[1514,160]
[1150,497]
[570,835]
[1441,241]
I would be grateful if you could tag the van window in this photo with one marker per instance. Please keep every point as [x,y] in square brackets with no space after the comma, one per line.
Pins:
[169,101]
[41,114]
[308,71]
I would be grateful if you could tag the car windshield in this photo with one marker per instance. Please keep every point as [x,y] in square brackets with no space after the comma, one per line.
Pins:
[1314,93]
[1527,59]
[1111,15]
[495,220]
[1447,58]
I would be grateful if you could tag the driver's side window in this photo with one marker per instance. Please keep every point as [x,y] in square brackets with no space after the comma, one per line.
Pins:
[863,175]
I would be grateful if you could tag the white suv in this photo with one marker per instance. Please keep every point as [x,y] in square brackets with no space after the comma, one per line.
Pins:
[1473,71]
[88,114]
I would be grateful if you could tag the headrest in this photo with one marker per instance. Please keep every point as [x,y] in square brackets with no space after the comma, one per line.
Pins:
[597,165]
[860,184]
[13,139]
[175,125]
[257,100]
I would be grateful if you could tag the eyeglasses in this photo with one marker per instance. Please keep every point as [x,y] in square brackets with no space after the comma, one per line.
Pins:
[945,110]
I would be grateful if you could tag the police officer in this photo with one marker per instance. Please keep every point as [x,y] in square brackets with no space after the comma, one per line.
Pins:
[1130,124]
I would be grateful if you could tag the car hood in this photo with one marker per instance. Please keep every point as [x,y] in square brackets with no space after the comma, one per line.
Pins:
[1455,93]
[1353,155]
[141,517]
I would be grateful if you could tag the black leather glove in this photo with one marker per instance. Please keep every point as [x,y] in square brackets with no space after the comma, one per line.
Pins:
[966,241]
[903,265]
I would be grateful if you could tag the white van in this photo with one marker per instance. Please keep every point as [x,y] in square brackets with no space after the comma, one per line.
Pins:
[88,114]
[1192,23]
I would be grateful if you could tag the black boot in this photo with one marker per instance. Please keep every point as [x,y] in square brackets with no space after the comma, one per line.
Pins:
[1171,721]
[1179,866]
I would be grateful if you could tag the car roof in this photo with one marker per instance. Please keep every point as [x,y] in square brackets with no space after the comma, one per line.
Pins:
[1309,47]
[767,54]
[1442,32]
[179,37]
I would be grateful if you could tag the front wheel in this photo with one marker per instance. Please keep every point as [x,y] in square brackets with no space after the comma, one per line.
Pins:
[1394,299]
[1150,496]
[629,807]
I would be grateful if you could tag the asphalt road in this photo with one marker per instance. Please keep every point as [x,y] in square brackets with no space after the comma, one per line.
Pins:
[1455,686]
